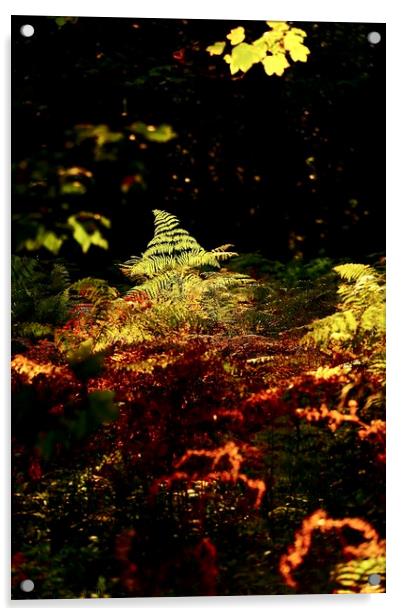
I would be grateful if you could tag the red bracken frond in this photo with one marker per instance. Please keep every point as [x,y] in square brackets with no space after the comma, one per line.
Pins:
[255,484]
[370,547]
[230,451]
[229,455]
[333,417]
[375,431]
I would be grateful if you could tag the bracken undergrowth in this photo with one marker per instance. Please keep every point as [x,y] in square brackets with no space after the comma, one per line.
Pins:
[220,455]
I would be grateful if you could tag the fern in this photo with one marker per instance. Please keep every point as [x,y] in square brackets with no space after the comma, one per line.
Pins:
[359,323]
[354,271]
[178,286]
[99,317]
[353,576]
[172,259]
[93,290]
[59,277]
[35,330]
[38,296]
[119,323]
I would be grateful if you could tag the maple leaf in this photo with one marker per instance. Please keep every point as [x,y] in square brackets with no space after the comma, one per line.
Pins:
[260,46]
[292,40]
[271,38]
[299,53]
[243,57]
[217,48]
[282,42]
[236,35]
[278,25]
[275,65]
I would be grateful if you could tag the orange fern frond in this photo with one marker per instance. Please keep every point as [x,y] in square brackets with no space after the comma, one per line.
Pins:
[228,454]
[370,547]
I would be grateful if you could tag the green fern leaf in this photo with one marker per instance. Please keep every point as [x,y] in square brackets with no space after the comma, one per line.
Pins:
[173,259]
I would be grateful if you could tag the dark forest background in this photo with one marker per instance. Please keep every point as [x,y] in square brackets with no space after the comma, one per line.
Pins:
[289,166]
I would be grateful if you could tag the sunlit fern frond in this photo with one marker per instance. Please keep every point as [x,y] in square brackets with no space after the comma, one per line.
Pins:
[160,284]
[35,330]
[339,328]
[169,243]
[362,285]
[354,576]
[354,271]
[172,258]
[360,318]
[113,330]
[93,290]
[225,281]
[223,253]
[223,248]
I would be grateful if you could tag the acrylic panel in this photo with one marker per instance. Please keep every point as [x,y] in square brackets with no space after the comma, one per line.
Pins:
[198,290]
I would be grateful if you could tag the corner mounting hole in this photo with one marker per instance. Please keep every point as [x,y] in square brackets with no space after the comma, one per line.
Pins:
[374,579]
[27,30]
[27,585]
[374,38]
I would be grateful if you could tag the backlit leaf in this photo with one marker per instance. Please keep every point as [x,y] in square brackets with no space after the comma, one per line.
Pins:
[102,136]
[281,41]
[159,134]
[282,26]
[272,38]
[292,40]
[299,53]
[260,46]
[52,242]
[236,35]
[217,48]
[84,232]
[100,132]
[243,58]
[44,239]
[275,65]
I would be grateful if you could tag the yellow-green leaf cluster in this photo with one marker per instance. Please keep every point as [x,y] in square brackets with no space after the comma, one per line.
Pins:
[86,231]
[273,49]
[105,139]
[159,134]
[45,238]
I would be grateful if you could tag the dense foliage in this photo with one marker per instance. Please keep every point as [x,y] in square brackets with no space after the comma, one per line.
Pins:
[196,420]
[170,455]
